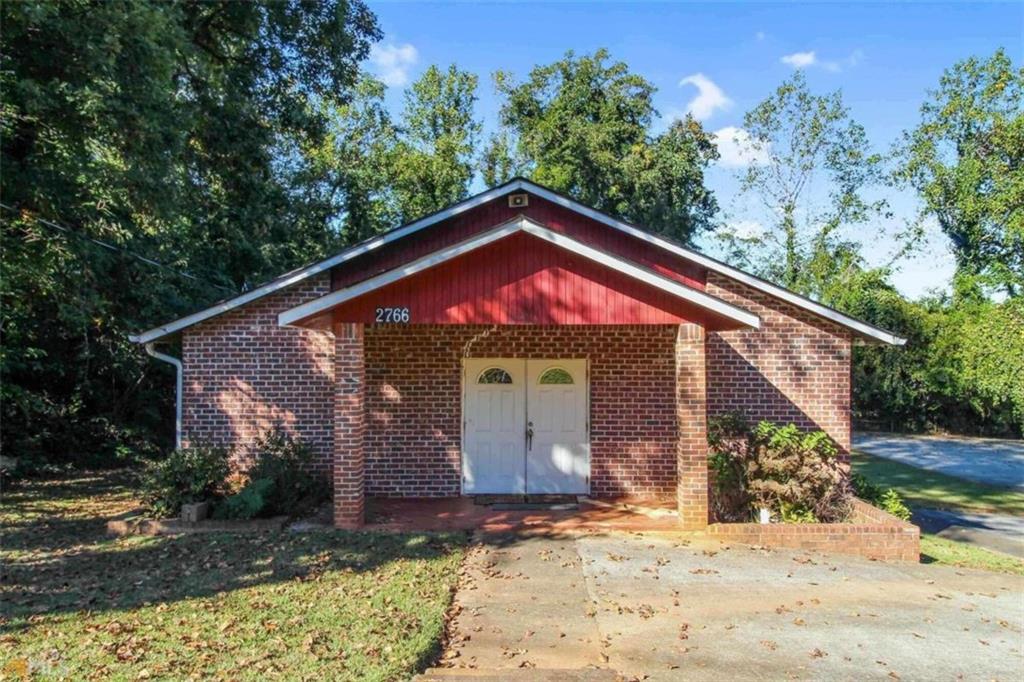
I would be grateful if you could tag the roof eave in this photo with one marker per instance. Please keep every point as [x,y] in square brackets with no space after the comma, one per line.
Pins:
[869,332]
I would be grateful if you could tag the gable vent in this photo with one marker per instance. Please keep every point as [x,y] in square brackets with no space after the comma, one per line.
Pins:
[518,200]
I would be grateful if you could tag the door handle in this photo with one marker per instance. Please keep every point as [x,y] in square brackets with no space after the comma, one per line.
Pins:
[529,436]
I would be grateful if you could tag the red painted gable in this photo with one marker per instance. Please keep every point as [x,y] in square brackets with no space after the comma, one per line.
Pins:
[551,215]
[524,280]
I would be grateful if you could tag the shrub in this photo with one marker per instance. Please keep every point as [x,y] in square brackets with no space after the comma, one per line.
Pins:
[728,438]
[248,503]
[888,500]
[286,462]
[794,473]
[893,503]
[865,489]
[187,475]
[791,513]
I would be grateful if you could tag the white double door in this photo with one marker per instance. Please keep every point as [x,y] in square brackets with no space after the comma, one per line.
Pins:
[525,426]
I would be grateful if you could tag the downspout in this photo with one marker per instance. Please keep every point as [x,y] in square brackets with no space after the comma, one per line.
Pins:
[178,384]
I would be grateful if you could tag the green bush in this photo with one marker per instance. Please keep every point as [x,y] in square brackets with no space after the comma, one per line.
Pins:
[865,489]
[893,503]
[187,475]
[728,438]
[888,500]
[795,474]
[791,513]
[286,462]
[248,503]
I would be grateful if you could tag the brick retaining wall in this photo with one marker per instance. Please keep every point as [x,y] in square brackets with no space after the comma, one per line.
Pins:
[872,533]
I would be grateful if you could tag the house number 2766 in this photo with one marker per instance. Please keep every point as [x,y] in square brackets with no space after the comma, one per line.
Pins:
[392,314]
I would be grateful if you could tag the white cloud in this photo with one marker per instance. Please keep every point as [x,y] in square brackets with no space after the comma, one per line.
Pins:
[709,99]
[745,229]
[736,148]
[800,60]
[392,62]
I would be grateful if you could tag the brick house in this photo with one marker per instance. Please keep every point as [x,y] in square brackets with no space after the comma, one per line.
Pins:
[516,342]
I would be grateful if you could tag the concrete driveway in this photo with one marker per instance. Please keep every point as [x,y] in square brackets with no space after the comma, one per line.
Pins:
[613,606]
[985,460]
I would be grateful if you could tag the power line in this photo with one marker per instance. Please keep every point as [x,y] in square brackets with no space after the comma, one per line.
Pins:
[148,261]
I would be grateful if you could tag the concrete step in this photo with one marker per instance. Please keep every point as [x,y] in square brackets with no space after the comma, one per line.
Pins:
[514,674]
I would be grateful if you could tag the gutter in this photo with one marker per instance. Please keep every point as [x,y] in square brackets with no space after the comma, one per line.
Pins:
[178,384]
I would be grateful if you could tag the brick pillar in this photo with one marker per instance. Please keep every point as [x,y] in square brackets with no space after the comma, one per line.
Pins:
[349,424]
[691,422]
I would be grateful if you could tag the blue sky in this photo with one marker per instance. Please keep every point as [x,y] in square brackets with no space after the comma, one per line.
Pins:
[883,57]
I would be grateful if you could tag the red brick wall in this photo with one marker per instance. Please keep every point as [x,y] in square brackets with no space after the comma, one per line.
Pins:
[795,368]
[413,402]
[691,413]
[244,374]
[349,425]
[871,533]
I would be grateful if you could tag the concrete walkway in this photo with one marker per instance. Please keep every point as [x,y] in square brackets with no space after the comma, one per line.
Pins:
[985,460]
[992,531]
[594,607]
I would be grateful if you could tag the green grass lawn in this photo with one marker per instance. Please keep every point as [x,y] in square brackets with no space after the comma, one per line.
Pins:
[923,488]
[317,605]
[936,550]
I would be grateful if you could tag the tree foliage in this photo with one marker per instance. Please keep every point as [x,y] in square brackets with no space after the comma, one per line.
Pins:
[435,154]
[163,128]
[813,171]
[966,161]
[582,126]
[962,368]
[350,169]
[372,172]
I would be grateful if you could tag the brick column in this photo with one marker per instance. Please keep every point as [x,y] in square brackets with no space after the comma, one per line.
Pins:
[691,422]
[349,424]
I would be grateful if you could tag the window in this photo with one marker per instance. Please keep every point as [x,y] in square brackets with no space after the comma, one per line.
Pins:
[494,375]
[555,375]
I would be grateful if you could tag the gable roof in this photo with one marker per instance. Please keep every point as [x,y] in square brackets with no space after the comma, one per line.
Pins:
[520,224]
[863,329]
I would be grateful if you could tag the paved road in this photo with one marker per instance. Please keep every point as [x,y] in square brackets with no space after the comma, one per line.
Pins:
[992,531]
[594,606]
[985,460]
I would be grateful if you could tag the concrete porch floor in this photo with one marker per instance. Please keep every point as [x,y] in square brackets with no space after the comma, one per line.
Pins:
[461,513]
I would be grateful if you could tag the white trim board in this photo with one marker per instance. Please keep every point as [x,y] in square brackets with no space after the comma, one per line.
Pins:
[520,224]
[716,266]
[301,274]
[519,184]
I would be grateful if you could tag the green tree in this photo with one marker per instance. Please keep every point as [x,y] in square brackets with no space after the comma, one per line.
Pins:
[582,126]
[372,172]
[966,161]
[166,128]
[812,170]
[351,169]
[433,160]
[989,350]
[962,368]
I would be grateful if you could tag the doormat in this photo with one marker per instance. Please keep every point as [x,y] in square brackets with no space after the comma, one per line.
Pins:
[528,502]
